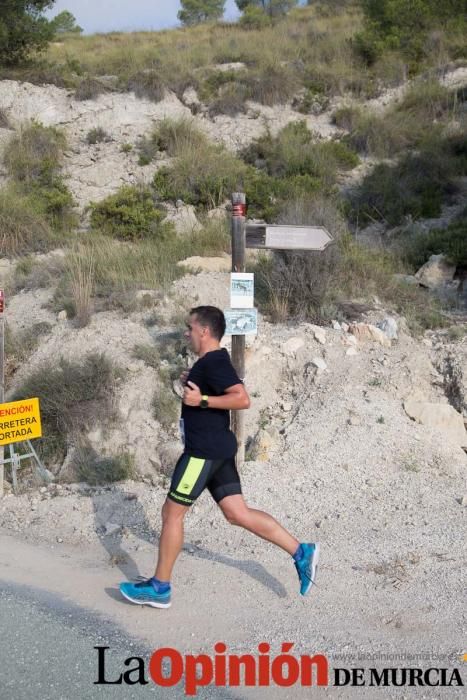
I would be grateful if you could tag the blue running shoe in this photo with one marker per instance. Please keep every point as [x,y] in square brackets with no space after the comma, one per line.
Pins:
[145,593]
[307,566]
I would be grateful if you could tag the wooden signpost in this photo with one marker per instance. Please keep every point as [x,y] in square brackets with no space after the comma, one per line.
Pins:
[269,237]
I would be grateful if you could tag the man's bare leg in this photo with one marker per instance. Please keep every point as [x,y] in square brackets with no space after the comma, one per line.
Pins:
[259,523]
[171,539]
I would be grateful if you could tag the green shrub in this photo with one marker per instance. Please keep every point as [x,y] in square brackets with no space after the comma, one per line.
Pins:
[126,148]
[149,354]
[317,285]
[130,214]
[89,89]
[414,187]
[20,345]
[272,84]
[97,135]
[254,18]
[147,150]
[311,102]
[405,26]
[231,100]
[451,242]
[294,152]
[56,201]
[409,124]
[97,470]
[33,159]
[262,194]
[34,155]
[173,136]
[202,175]
[216,80]
[31,273]
[23,226]
[74,397]
[147,84]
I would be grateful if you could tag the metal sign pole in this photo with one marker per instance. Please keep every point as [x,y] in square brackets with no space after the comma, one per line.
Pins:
[2,379]
[238,341]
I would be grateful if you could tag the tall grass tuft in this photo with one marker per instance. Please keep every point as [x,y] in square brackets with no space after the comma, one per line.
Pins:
[80,267]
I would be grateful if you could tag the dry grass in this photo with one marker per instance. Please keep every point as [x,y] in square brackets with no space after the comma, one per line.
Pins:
[313,48]
[80,267]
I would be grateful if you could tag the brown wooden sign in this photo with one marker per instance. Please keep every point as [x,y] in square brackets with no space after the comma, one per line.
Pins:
[287,237]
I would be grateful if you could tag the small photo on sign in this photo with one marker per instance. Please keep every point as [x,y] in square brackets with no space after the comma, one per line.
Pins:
[242,290]
[241,321]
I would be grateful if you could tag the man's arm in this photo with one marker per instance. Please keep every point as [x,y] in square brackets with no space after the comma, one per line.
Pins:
[234,398]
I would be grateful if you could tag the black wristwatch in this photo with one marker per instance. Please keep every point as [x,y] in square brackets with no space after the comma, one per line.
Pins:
[204,401]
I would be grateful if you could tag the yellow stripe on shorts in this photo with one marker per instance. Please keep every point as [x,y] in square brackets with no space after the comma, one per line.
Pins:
[190,475]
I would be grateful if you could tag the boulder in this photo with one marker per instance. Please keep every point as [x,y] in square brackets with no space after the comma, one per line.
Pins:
[319,334]
[366,331]
[183,217]
[389,327]
[217,214]
[319,363]
[435,273]
[199,264]
[438,415]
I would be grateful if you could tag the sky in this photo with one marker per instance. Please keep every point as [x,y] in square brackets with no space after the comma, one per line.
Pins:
[127,15]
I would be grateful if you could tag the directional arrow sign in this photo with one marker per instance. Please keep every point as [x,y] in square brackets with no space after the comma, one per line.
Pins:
[287,237]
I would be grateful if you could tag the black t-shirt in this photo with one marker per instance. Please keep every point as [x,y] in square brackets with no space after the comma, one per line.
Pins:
[207,430]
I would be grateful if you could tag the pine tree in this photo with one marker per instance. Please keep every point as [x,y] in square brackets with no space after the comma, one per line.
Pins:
[197,11]
[23,28]
[273,8]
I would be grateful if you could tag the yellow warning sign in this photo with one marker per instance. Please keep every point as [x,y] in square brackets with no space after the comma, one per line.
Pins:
[20,421]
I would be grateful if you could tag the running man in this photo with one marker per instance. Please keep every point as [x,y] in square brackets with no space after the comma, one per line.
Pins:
[212,390]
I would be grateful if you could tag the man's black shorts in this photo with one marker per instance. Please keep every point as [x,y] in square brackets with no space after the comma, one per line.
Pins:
[193,474]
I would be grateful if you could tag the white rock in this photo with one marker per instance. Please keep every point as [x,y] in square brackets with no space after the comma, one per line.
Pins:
[441,416]
[190,97]
[389,327]
[319,363]
[366,331]
[336,325]
[436,272]
[183,218]
[292,345]
[319,334]
[351,352]
[62,315]
[214,264]
[217,214]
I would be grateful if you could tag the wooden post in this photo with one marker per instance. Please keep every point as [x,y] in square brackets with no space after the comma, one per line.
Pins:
[2,380]
[238,341]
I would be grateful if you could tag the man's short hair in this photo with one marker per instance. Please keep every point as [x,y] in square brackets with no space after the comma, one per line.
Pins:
[212,317]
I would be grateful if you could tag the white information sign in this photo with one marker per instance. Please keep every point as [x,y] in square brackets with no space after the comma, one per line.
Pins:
[241,321]
[297,237]
[242,290]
